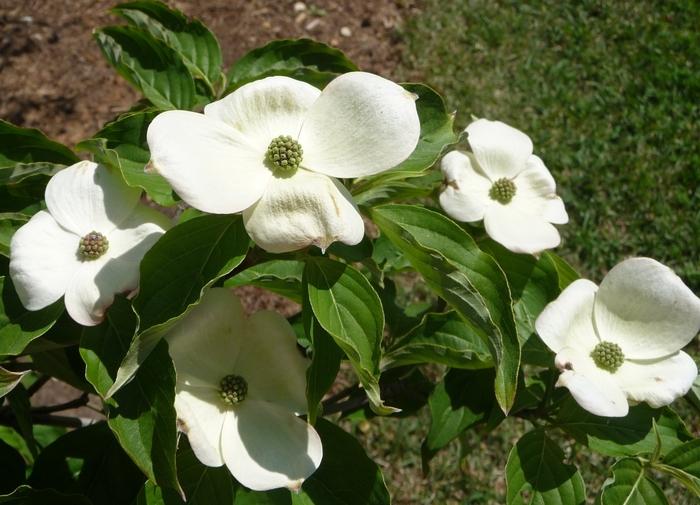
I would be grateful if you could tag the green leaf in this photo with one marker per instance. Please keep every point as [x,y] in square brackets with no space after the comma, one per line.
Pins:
[349,309]
[196,45]
[436,135]
[63,364]
[141,414]
[28,146]
[13,468]
[629,485]
[623,436]
[442,338]
[279,276]
[467,278]
[9,380]
[463,399]
[149,65]
[19,326]
[325,360]
[346,475]
[9,223]
[185,261]
[536,473]
[122,144]
[101,461]
[566,273]
[21,409]
[25,495]
[302,59]
[683,463]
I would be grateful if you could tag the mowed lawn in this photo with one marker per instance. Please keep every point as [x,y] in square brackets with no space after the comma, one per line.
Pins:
[610,94]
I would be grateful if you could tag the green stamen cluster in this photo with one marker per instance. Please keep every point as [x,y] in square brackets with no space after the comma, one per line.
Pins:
[608,356]
[503,191]
[285,153]
[233,389]
[93,245]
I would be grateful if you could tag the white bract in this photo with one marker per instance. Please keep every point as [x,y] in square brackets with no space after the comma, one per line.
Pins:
[87,245]
[273,148]
[621,342]
[504,184]
[240,382]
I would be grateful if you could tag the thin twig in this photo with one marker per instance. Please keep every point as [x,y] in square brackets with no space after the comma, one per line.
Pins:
[73,404]
[37,384]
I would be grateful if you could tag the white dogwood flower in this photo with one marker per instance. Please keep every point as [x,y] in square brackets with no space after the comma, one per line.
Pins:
[273,148]
[504,184]
[621,342]
[87,245]
[240,382]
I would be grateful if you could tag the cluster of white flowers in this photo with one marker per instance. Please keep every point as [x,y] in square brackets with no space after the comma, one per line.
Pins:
[273,150]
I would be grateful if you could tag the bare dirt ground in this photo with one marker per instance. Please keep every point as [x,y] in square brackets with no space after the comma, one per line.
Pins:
[53,76]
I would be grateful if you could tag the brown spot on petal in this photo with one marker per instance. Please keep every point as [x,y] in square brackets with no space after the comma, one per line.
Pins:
[452,184]
[658,379]
[568,366]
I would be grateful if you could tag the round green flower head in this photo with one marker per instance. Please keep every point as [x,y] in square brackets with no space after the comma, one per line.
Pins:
[285,154]
[233,389]
[503,191]
[93,245]
[608,356]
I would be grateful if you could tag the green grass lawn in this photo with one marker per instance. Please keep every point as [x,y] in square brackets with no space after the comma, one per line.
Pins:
[610,94]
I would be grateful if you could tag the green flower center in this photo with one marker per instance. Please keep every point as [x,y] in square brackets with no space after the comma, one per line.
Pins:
[233,389]
[285,154]
[503,191]
[93,245]
[608,356]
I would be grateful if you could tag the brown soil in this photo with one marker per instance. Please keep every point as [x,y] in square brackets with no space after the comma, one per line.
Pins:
[53,76]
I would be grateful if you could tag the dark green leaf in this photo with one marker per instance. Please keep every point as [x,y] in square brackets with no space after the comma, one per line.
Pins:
[443,338]
[28,146]
[9,223]
[348,308]
[19,326]
[536,473]
[466,277]
[122,144]
[629,485]
[193,41]
[185,261]
[102,460]
[623,436]
[25,495]
[346,475]
[141,414]
[13,468]
[566,273]
[463,398]
[63,364]
[149,65]
[302,59]
[279,276]
[21,409]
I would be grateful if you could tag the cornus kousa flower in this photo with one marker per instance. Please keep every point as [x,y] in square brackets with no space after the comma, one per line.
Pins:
[240,382]
[621,342]
[86,246]
[273,148]
[504,184]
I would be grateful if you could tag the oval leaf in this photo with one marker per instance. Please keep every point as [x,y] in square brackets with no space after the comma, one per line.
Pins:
[629,485]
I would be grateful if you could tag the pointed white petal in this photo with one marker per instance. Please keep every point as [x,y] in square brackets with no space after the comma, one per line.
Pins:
[645,308]
[212,166]
[43,260]
[657,382]
[301,210]
[87,196]
[361,124]
[201,412]
[501,150]
[92,289]
[593,389]
[568,320]
[205,344]
[521,233]
[466,194]
[266,447]
[265,109]
[270,339]
[536,193]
